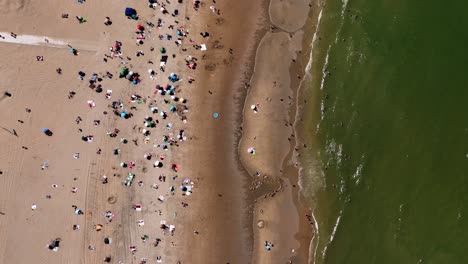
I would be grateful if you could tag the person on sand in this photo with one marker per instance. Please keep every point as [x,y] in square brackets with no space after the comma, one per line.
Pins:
[74,51]
[81,19]
[107,21]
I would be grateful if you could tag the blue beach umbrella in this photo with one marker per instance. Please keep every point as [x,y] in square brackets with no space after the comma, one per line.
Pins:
[215,115]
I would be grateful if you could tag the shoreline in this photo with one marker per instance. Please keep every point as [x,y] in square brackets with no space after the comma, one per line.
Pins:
[264,188]
[314,21]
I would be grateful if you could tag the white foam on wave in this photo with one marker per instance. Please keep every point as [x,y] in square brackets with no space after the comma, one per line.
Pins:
[332,235]
[322,109]
[330,146]
[324,68]
[315,238]
[322,82]
[339,155]
[343,9]
[357,174]
[312,44]
[335,152]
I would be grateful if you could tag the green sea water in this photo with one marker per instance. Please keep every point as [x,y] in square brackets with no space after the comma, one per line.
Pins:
[386,167]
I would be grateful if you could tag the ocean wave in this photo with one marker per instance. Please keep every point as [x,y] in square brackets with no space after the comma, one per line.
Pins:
[357,174]
[316,238]
[339,156]
[343,9]
[332,235]
[312,44]
[324,68]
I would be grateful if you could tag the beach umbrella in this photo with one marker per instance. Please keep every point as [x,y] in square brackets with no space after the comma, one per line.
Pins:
[175,167]
[130,12]
[47,132]
[251,151]
[123,72]
[215,115]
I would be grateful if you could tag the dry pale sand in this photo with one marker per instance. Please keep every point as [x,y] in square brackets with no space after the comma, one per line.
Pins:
[216,209]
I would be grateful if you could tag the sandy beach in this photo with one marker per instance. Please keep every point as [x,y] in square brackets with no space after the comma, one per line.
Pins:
[151,166]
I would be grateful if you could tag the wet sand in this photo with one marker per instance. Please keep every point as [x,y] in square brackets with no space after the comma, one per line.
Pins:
[280,64]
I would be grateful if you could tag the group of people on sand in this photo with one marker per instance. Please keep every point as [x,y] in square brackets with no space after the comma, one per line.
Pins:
[158,118]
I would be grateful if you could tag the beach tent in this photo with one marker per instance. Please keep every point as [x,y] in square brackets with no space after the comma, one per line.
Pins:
[47,132]
[138,207]
[130,12]
[123,72]
[173,77]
